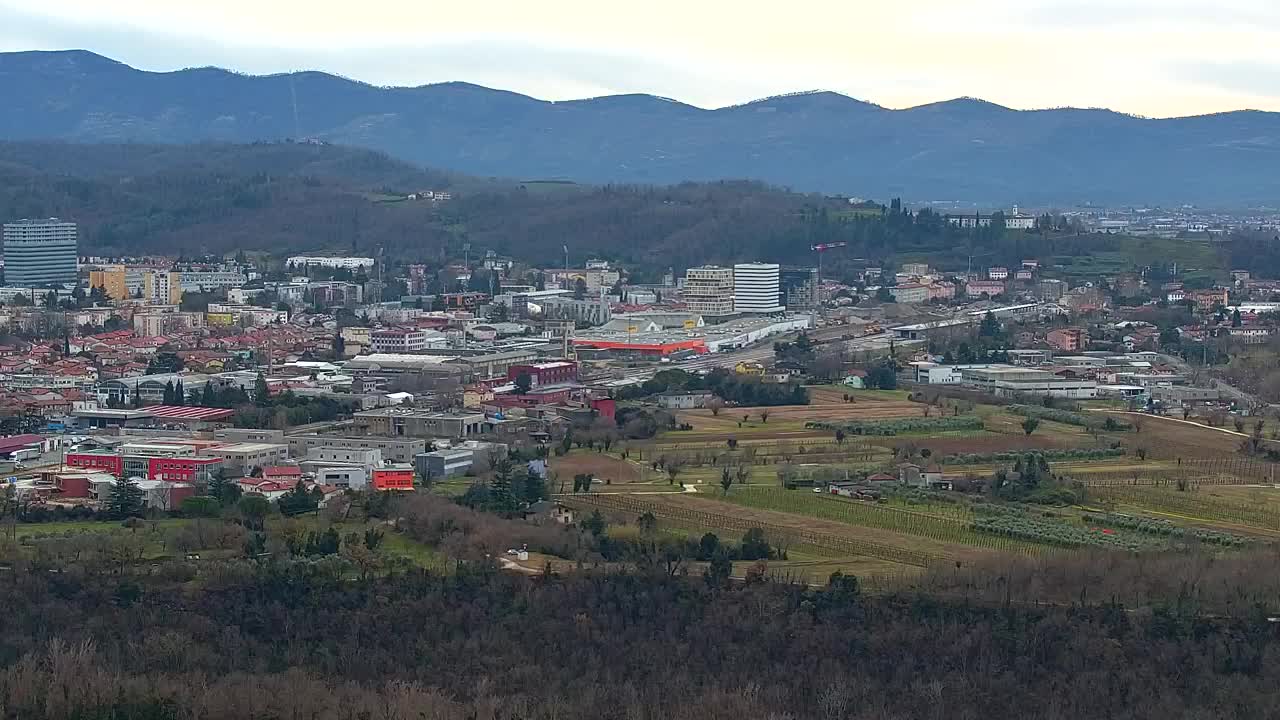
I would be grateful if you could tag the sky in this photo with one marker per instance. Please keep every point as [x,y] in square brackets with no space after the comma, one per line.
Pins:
[1157,58]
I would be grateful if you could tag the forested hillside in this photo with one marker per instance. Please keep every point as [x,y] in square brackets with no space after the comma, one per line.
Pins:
[219,198]
[241,640]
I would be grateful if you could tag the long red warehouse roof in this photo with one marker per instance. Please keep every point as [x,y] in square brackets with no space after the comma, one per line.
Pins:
[185,412]
[667,347]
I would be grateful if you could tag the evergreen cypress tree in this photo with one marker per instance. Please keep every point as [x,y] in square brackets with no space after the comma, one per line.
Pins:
[502,492]
[126,499]
[261,391]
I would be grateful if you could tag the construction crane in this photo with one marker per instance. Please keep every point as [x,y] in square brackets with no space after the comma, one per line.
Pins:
[821,248]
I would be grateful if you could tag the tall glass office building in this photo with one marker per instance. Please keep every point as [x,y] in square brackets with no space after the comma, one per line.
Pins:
[38,253]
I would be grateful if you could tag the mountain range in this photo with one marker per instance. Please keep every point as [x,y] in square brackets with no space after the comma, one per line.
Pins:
[963,150]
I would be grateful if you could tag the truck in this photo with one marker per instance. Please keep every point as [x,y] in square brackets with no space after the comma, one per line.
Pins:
[25,454]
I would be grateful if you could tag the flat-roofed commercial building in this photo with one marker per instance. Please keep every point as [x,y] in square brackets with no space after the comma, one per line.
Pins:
[205,281]
[38,253]
[440,464]
[244,457]
[1009,381]
[398,450]
[408,422]
[406,340]
[303,262]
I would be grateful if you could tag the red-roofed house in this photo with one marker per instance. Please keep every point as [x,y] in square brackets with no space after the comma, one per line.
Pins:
[282,472]
[272,490]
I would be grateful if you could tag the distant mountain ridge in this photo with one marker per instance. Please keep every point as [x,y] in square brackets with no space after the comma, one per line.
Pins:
[964,149]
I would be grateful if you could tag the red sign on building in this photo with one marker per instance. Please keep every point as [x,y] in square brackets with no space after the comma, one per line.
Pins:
[393,478]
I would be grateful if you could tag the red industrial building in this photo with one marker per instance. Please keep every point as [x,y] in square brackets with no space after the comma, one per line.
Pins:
[183,469]
[99,462]
[548,373]
[393,478]
[534,398]
[605,408]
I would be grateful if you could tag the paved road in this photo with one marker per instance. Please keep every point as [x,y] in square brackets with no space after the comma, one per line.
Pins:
[1243,399]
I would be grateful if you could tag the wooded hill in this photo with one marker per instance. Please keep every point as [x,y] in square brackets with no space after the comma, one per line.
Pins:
[300,640]
[963,149]
[289,198]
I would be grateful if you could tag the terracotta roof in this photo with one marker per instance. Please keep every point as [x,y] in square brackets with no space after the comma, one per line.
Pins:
[282,470]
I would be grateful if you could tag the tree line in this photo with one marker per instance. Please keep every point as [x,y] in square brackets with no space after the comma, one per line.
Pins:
[296,639]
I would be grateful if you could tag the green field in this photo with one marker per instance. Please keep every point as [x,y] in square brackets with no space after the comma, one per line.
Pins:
[154,539]
[941,522]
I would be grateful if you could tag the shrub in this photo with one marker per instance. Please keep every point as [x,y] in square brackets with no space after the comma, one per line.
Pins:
[1069,418]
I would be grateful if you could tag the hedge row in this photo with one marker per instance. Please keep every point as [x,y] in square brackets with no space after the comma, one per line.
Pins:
[1164,528]
[1056,533]
[1013,455]
[1067,417]
[904,425]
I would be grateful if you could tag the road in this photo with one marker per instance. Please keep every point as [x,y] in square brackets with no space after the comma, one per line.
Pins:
[1242,399]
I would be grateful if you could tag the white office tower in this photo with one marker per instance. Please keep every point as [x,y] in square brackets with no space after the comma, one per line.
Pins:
[756,288]
[39,253]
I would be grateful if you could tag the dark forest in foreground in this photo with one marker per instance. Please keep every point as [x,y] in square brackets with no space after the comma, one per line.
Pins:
[298,641]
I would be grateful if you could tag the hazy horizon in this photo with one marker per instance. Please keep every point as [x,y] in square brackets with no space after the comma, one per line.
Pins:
[1154,58]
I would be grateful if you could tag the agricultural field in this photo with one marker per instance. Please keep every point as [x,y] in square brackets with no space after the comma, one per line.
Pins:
[826,404]
[600,465]
[951,524]
[835,536]
[1251,510]
[1168,437]
[1152,484]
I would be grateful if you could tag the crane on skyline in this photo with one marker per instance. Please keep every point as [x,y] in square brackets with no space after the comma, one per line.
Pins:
[821,248]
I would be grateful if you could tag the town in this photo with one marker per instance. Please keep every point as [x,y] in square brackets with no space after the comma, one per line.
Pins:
[330,372]
[507,361]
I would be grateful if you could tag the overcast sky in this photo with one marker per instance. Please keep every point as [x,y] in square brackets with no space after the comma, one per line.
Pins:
[1149,57]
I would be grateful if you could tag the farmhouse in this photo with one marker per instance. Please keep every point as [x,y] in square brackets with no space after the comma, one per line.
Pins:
[684,399]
